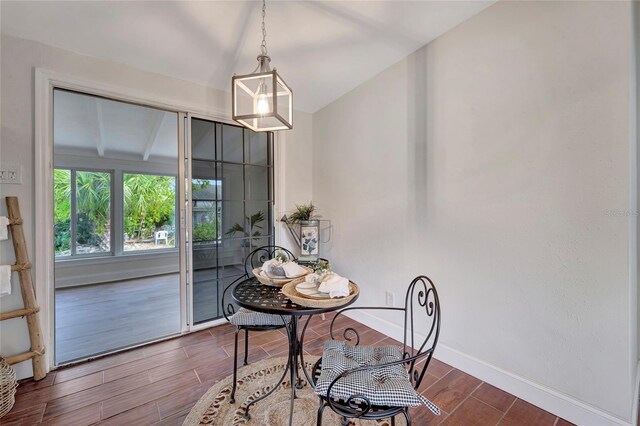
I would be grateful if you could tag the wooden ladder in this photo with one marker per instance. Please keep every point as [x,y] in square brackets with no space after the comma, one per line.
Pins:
[31,309]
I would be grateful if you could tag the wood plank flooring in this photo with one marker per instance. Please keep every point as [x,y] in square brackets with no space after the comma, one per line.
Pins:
[101,318]
[158,384]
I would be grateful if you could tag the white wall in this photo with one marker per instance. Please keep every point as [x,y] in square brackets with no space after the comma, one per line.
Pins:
[298,168]
[489,160]
[18,59]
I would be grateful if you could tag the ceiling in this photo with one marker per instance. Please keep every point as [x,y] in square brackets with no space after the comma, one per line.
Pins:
[322,49]
[90,126]
[95,127]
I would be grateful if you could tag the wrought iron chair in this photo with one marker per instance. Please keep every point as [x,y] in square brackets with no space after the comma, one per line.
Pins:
[366,382]
[245,319]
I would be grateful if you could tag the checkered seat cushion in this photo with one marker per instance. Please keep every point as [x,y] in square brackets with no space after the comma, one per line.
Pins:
[248,317]
[385,386]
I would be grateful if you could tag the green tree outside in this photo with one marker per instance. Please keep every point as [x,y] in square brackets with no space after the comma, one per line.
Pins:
[149,204]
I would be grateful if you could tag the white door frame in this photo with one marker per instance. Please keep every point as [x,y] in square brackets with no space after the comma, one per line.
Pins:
[45,82]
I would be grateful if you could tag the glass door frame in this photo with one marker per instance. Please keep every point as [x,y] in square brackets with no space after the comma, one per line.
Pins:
[184,137]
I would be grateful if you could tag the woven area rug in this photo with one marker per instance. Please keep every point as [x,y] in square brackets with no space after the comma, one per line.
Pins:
[255,380]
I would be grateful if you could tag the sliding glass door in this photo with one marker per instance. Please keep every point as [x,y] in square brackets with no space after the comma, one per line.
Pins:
[154,214]
[231,207]
[117,253]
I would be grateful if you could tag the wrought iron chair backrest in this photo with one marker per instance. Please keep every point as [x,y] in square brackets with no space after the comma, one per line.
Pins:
[253,260]
[421,326]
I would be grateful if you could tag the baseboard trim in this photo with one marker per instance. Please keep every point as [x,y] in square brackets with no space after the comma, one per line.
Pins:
[546,398]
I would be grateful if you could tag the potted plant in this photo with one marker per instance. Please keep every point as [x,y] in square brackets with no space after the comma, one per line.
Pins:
[303,213]
[306,218]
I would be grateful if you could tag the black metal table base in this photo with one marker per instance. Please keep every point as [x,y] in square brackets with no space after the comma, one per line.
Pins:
[295,361]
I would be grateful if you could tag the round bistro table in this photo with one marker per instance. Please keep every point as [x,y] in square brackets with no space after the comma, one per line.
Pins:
[253,295]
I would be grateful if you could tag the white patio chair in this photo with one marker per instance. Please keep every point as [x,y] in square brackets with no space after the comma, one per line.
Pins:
[162,235]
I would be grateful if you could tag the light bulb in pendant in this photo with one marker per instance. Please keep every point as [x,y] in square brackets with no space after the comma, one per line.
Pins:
[263,104]
[262,107]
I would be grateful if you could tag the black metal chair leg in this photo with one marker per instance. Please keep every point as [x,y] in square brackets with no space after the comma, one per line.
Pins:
[246,346]
[320,410]
[344,422]
[407,416]
[393,420]
[235,368]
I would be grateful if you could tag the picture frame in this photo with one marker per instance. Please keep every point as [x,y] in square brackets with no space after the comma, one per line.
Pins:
[310,240]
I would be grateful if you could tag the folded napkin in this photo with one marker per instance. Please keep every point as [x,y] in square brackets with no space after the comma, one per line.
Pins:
[293,270]
[4,222]
[273,268]
[335,285]
[5,280]
[312,278]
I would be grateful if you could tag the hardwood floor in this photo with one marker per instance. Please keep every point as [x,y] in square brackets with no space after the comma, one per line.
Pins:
[105,317]
[100,318]
[158,384]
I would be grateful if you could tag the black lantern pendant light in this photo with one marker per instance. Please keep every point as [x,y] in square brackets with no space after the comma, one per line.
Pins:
[262,101]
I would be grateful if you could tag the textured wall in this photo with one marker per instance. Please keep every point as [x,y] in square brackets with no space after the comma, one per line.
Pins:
[492,160]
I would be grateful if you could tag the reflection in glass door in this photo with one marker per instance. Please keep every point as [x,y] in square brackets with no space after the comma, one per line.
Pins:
[231,207]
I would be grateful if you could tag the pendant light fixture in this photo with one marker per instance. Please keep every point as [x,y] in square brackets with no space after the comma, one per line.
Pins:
[262,101]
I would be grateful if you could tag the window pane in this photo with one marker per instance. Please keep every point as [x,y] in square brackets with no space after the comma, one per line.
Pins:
[205,294]
[232,182]
[206,218]
[202,139]
[258,213]
[149,212]
[232,146]
[256,182]
[62,211]
[93,212]
[204,183]
[231,255]
[255,148]
[254,243]
[234,224]
[218,142]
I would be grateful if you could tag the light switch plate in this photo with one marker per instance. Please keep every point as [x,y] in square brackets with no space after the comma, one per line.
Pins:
[390,298]
[10,173]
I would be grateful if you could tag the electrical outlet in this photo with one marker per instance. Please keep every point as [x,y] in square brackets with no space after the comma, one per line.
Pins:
[390,298]
[10,173]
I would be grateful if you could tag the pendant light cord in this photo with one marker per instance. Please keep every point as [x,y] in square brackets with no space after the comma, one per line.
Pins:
[263,46]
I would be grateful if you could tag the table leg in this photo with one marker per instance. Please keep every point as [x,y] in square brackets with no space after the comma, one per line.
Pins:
[292,367]
[301,351]
[295,354]
[293,360]
[289,365]
[298,355]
